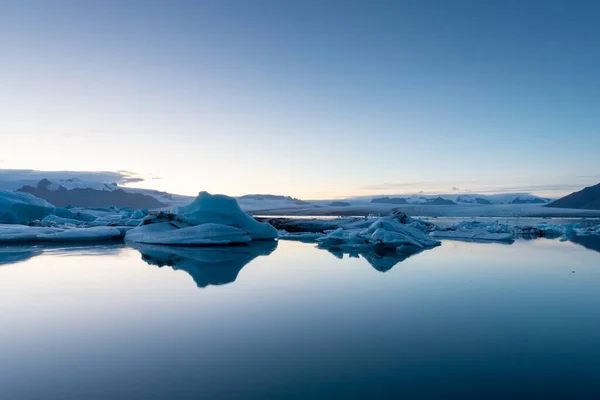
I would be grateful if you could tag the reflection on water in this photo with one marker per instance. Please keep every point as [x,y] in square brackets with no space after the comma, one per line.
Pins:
[206,265]
[463,320]
[381,259]
[18,253]
[589,242]
[15,254]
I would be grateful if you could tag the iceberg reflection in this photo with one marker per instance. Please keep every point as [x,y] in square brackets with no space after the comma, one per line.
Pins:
[12,254]
[381,258]
[15,254]
[217,265]
[591,242]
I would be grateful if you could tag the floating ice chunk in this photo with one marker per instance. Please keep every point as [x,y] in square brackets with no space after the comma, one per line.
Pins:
[300,236]
[475,235]
[564,230]
[64,213]
[208,220]
[22,233]
[224,210]
[392,239]
[22,208]
[384,232]
[205,234]
[139,214]
[98,233]
[475,230]
[381,230]
[85,217]
[62,221]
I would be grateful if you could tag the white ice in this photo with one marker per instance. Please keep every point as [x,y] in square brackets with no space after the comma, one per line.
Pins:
[209,219]
[22,208]
[11,233]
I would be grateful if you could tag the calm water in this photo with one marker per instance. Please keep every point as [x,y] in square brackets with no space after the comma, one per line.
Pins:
[463,320]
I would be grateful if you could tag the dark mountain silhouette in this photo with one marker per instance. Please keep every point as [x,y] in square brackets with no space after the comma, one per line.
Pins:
[476,200]
[438,201]
[272,197]
[520,200]
[389,200]
[591,242]
[86,197]
[586,199]
[339,204]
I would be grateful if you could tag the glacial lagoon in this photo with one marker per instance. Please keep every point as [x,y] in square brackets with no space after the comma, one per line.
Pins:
[286,319]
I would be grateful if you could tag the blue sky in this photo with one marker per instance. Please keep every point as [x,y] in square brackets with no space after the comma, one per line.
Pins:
[311,99]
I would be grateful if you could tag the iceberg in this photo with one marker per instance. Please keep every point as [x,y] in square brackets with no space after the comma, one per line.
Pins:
[205,234]
[54,219]
[22,208]
[224,210]
[99,233]
[475,230]
[22,234]
[386,232]
[208,220]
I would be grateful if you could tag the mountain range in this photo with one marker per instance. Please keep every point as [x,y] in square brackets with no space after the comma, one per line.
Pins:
[586,199]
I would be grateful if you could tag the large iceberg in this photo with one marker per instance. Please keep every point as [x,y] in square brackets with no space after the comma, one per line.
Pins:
[388,232]
[208,220]
[224,210]
[22,208]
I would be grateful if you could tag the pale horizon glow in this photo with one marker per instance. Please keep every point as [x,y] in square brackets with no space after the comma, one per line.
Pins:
[315,100]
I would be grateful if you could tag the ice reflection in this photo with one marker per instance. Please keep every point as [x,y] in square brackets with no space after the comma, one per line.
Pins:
[206,265]
[589,242]
[19,253]
[382,259]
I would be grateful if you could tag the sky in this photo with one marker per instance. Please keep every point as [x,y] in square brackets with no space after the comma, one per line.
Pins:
[313,99]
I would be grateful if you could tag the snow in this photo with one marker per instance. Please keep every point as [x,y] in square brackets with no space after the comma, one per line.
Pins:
[208,220]
[22,208]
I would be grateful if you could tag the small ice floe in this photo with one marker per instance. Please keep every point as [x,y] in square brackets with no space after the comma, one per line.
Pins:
[26,234]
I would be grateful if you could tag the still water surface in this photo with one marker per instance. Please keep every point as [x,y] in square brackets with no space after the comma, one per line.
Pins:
[462,320]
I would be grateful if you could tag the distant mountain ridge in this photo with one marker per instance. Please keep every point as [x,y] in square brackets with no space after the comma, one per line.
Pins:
[109,195]
[271,197]
[586,199]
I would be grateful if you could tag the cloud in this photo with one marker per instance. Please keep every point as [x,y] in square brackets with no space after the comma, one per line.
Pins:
[399,185]
[558,187]
[14,178]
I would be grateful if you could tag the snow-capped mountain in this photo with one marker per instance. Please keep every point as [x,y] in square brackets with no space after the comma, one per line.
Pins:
[78,193]
[451,199]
